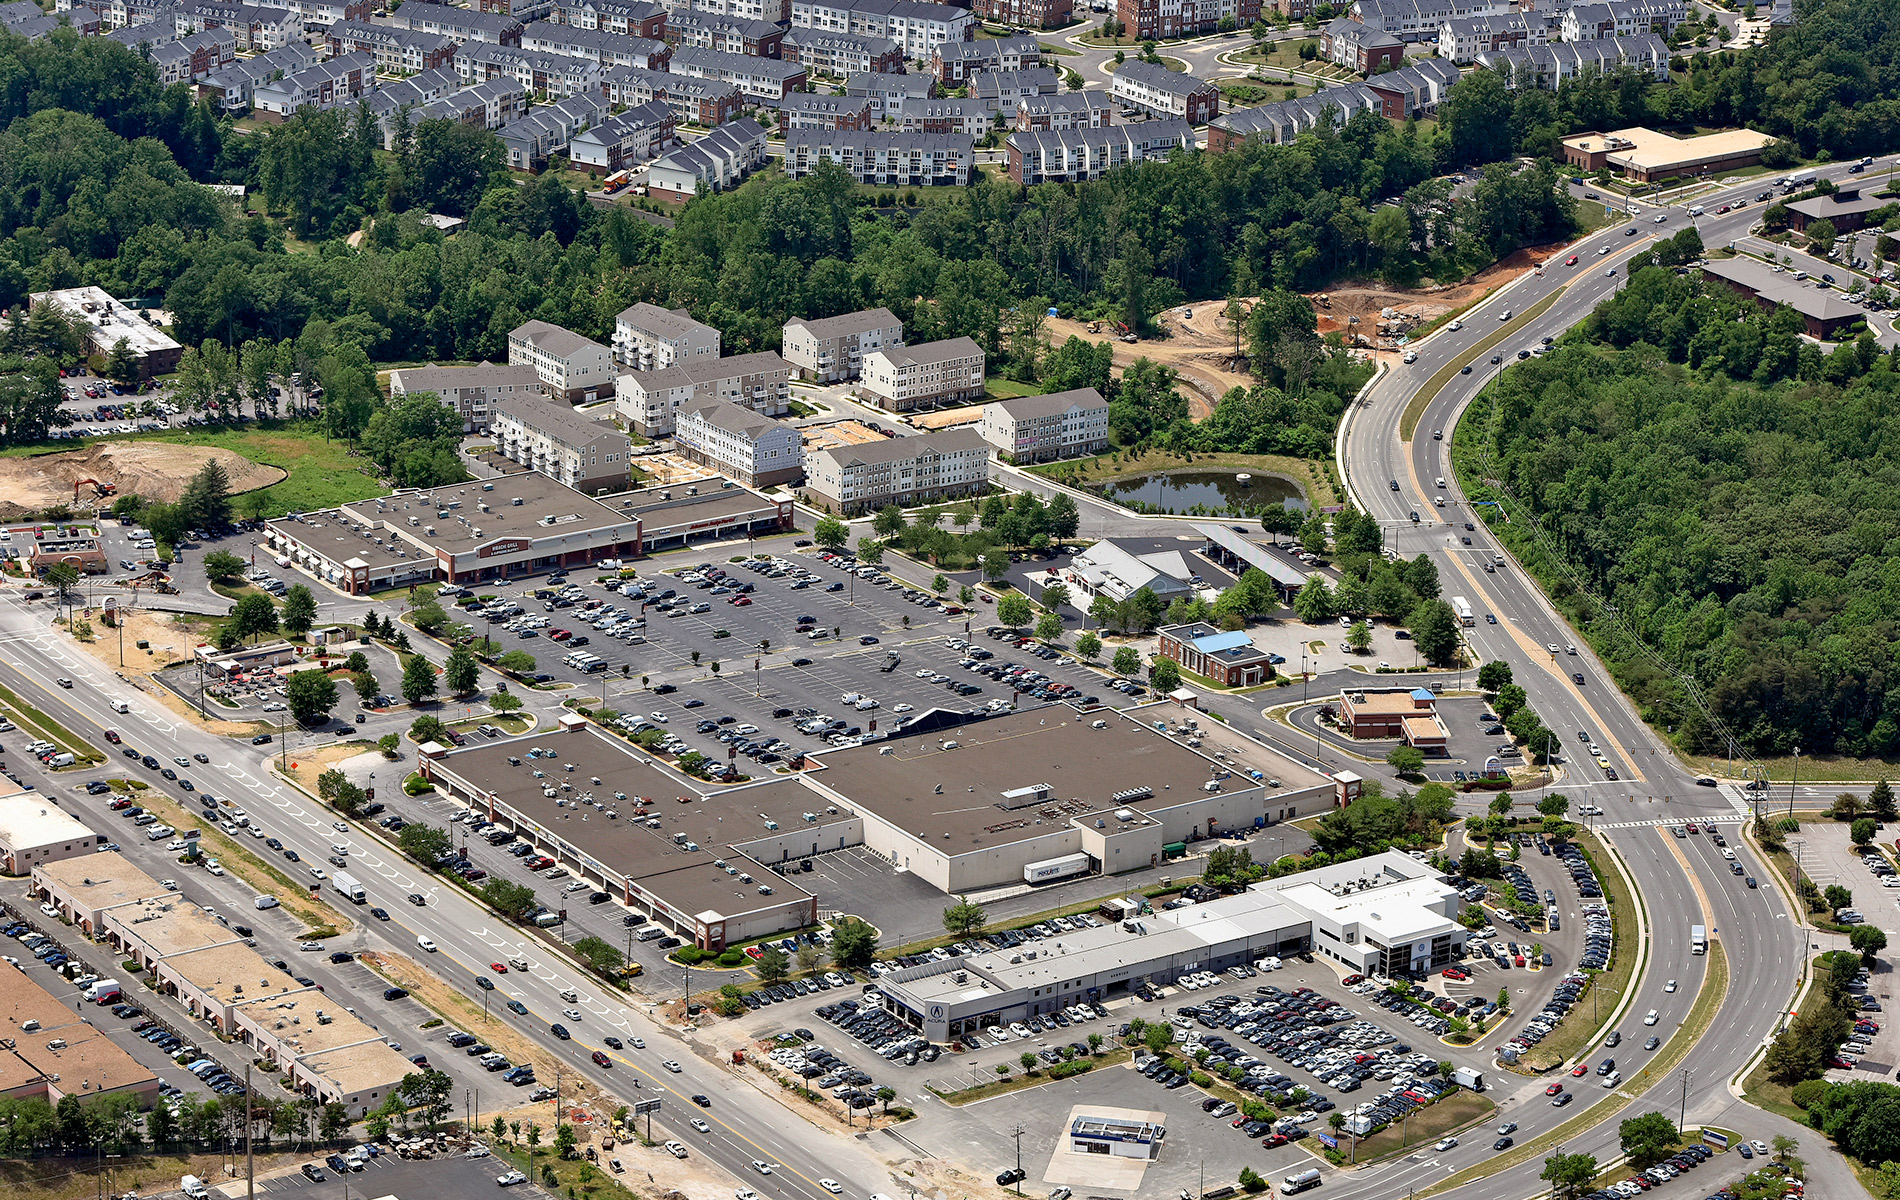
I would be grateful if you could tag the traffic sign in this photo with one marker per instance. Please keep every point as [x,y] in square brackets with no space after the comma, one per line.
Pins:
[646,1106]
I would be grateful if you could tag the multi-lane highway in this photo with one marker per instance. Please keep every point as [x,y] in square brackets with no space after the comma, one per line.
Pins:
[1681,882]
[747,1122]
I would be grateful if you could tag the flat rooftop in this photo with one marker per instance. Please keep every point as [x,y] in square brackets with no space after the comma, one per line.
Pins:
[1395,912]
[623,843]
[110,318]
[88,1055]
[100,880]
[1392,701]
[230,974]
[954,799]
[658,516]
[292,1019]
[171,925]
[31,819]
[371,1066]
[1653,150]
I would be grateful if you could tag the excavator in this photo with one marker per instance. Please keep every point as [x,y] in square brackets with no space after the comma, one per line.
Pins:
[100,490]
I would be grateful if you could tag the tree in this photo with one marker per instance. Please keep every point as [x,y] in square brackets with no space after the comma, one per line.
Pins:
[222,565]
[1838,897]
[1553,806]
[964,918]
[1314,604]
[1406,760]
[428,616]
[1087,645]
[1846,807]
[1867,941]
[1861,833]
[1013,610]
[870,551]
[512,900]
[254,614]
[1049,627]
[300,609]
[461,673]
[519,662]
[831,533]
[207,500]
[853,943]
[418,679]
[1165,675]
[1493,675]
[1127,662]
[311,695]
[1359,637]
[995,565]
[1434,628]
[367,689]
[424,843]
[1510,700]
[1881,802]
[773,965]
[1648,1139]
[1569,1175]
[888,521]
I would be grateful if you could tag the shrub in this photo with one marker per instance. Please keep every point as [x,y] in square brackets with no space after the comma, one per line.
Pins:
[690,955]
[732,958]
[1808,1091]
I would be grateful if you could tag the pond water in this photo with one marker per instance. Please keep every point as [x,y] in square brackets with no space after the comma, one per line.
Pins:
[1204,493]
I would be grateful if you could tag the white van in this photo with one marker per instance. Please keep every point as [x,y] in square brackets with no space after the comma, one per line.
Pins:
[120,706]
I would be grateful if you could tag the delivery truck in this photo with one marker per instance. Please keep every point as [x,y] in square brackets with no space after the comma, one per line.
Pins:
[346,885]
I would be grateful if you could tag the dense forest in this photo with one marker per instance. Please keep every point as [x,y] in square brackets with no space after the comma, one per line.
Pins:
[1719,503]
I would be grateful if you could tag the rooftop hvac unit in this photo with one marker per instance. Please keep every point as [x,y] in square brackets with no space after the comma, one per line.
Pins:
[1098,724]
[1125,814]
[1130,795]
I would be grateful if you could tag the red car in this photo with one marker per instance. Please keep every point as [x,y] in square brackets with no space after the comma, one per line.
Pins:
[601,1060]
[1578,1071]
[1455,973]
[1553,1089]
[1278,1139]
[1571,261]
[1352,979]
[559,635]
[498,968]
[112,735]
[1691,827]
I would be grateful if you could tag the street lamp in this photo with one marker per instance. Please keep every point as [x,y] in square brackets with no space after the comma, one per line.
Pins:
[1794,779]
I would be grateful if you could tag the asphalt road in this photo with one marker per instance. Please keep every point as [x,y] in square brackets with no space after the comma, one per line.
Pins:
[1683,882]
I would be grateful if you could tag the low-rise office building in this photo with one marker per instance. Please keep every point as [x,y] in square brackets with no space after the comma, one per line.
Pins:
[84,890]
[650,401]
[1160,92]
[34,830]
[650,338]
[1109,569]
[755,450]
[1846,209]
[832,349]
[547,436]
[839,55]
[884,159]
[1646,155]
[52,1052]
[864,477]
[1229,658]
[108,322]
[1823,311]
[1039,428]
[571,367]
[905,378]
[1408,714]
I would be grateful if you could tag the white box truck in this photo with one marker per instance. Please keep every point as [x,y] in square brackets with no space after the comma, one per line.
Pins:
[1698,939]
[193,1187]
[103,991]
[346,885]
[1469,1077]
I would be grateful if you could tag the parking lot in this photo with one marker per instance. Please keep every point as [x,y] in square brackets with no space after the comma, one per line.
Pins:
[1830,859]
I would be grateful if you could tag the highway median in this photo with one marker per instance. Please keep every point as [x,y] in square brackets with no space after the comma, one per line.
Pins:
[1416,406]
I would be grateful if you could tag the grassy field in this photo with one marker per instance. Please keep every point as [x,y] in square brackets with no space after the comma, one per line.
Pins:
[1449,1115]
[999,388]
[1248,92]
[322,472]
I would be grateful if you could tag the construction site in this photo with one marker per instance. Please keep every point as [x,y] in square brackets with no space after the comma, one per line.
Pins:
[78,479]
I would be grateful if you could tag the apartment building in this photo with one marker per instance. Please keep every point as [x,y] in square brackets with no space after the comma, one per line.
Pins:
[623,140]
[470,391]
[864,477]
[320,85]
[574,451]
[917,26]
[603,46]
[1083,153]
[1555,64]
[715,162]
[539,72]
[884,159]
[396,51]
[953,62]
[1413,91]
[1420,20]
[1039,428]
[955,114]
[813,110]
[764,78]
[888,92]
[547,129]
[742,445]
[907,378]
[1147,19]
[650,401]
[191,58]
[734,35]
[1002,89]
[321,14]
[1027,14]
[1622,18]
[650,338]
[462,24]
[706,102]
[230,89]
[778,12]
[832,349]
[570,367]
[256,26]
[636,18]
[1361,48]
[1065,110]
[1159,92]
[521,10]
[840,54]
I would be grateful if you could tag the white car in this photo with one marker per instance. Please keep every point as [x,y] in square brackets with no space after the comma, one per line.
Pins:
[1020,1030]
[511,1179]
[832,1186]
[572,1014]
[426,944]
[700,1125]
[761,1166]
[1446,1144]
[170,885]
[1670,986]
[637,1043]
[901,708]
[317,873]
[676,1150]
[1651,1017]
[670,1065]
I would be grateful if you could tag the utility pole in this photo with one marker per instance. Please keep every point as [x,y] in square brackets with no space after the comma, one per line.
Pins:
[250,1161]
[1018,1133]
[1682,1113]
[557,1095]
[1794,780]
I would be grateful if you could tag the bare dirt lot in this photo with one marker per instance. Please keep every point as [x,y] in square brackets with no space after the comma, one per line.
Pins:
[154,470]
[1421,305]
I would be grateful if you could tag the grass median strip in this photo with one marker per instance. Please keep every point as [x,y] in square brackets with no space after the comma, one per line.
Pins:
[47,727]
[1701,1017]
[1415,408]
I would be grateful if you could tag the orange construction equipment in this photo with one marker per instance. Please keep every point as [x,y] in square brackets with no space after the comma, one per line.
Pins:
[99,489]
